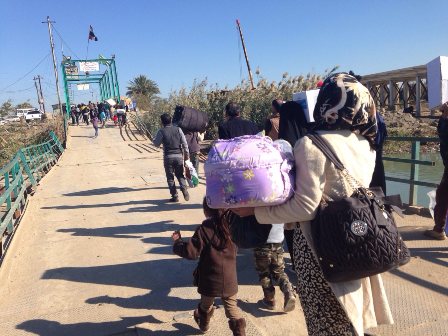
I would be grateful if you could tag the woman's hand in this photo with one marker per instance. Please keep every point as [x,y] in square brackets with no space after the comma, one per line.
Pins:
[243,212]
[176,235]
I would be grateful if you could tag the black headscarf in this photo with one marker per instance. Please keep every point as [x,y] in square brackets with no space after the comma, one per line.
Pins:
[293,123]
[345,104]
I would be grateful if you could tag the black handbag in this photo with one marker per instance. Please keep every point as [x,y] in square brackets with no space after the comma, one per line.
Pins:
[355,237]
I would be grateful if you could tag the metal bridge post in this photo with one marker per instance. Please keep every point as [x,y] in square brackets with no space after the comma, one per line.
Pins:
[405,89]
[415,169]
[391,95]
[116,80]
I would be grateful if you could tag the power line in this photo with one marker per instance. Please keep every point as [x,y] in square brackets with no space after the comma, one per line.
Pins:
[21,90]
[60,36]
[40,62]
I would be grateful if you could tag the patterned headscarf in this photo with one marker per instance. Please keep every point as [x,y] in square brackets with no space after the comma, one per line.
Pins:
[345,104]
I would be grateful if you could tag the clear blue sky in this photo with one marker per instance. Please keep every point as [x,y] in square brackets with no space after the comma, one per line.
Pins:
[175,41]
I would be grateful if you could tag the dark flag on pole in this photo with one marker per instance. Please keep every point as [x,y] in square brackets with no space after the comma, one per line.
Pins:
[92,35]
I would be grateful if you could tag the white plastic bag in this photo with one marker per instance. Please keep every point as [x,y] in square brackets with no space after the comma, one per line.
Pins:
[432,201]
[191,174]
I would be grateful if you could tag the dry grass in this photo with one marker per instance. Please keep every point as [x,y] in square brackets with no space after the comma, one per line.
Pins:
[255,104]
[16,135]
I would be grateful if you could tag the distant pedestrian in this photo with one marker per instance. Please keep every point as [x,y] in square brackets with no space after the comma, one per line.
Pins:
[73,114]
[272,124]
[94,119]
[175,150]
[235,126]
[441,208]
[85,114]
[121,114]
[78,114]
[103,118]
[215,274]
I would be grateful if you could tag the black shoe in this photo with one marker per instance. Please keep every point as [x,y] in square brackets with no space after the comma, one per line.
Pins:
[174,199]
[186,194]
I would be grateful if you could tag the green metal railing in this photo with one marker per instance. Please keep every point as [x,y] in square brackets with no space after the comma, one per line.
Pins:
[18,177]
[140,125]
[415,162]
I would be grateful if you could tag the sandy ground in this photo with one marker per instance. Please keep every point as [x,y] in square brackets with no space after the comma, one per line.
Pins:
[92,255]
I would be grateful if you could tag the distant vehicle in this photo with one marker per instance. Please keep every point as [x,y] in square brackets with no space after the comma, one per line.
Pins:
[12,119]
[33,115]
[23,112]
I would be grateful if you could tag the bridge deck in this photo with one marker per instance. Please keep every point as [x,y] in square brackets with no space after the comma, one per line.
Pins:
[92,255]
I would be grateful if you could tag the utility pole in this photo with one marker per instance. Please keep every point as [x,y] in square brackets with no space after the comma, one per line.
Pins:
[245,54]
[40,95]
[49,23]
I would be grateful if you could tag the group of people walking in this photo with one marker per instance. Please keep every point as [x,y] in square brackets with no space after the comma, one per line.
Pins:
[346,118]
[96,113]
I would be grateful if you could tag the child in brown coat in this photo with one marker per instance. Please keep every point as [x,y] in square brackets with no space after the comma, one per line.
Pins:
[216,272]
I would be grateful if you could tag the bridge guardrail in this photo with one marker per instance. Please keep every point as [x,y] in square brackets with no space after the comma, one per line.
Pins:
[415,163]
[17,178]
[140,125]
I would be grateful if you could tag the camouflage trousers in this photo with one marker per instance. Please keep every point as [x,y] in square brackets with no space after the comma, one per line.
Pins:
[270,266]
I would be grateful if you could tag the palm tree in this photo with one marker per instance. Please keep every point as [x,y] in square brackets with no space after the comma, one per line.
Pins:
[142,86]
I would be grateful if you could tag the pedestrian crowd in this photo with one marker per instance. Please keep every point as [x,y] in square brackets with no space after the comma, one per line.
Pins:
[98,113]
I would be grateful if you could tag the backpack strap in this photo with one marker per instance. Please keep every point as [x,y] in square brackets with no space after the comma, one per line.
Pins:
[325,148]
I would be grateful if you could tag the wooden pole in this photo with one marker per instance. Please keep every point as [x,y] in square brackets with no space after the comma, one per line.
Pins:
[55,68]
[245,55]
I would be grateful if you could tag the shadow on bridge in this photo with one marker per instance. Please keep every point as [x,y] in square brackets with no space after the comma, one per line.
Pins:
[156,206]
[434,255]
[104,191]
[159,277]
[129,231]
[43,327]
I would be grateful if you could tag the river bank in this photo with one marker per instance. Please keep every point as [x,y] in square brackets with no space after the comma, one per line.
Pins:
[406,125]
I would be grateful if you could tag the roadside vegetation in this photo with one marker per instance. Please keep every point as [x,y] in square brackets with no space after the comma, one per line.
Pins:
[255,104]
[15,135]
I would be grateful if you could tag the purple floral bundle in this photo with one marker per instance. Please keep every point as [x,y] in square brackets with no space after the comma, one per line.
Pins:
[248,171]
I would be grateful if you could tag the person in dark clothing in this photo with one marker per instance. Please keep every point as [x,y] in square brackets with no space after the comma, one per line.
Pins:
[379,176]
[215,274]
[194,148]
[175,150]
[272,124]
[293,126]
[441,208]
[85,114]
[235,126]
[73,114]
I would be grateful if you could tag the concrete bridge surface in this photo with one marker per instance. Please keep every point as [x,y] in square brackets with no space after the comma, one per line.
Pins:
[92,256]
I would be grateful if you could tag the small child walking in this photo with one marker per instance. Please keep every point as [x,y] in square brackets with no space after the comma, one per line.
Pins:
[95,124]
[215,274]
